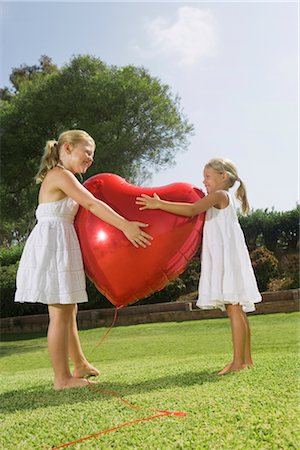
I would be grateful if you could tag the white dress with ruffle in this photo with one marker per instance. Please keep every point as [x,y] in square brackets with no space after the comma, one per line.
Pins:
[51,267]
[227,275]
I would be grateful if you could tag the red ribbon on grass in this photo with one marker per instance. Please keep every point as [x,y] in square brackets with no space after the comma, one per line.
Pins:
[161,412]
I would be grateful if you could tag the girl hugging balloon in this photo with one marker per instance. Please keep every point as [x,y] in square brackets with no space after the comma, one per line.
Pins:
[51,267]
[227,279]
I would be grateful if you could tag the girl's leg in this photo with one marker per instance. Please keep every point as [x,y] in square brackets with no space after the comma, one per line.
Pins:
[82,367]
[248,357]
[58,335]
[238,329]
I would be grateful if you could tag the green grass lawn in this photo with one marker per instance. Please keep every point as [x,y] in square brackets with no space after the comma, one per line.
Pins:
[168,366]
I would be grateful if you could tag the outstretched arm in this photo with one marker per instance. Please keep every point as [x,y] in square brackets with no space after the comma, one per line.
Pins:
[218,199]
[69,184]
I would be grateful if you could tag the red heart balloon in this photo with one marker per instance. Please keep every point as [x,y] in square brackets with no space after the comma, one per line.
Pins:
[122,272]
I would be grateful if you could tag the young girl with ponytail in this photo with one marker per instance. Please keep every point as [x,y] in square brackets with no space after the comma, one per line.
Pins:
[51,267]
[227,279]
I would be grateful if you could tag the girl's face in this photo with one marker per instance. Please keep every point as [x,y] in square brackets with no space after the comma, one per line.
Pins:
[80,156]
[213,180]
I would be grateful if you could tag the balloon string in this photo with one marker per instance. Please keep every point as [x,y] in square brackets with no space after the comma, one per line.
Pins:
[120,397]
[162,413]
[109,430]
[110,328]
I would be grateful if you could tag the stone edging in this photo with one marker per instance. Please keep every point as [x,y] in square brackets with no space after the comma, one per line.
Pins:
[273,302]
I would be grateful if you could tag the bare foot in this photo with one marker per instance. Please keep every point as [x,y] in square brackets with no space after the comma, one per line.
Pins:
[225,370]
[249,364]
[232,367]
[71,383]
[85,370]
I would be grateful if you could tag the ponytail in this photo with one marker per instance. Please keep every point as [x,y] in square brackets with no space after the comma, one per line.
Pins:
[241,195]
[49,160]
[222,165]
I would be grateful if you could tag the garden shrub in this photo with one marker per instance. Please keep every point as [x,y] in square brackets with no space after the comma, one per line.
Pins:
[10,255]
[289,266]
[7,283]
[185,283]
[96,299]
[190,276]
[281,284]
[265,265]
[8,286]
[169,294]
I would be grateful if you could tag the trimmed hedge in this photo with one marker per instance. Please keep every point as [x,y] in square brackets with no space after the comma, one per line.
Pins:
[276,231]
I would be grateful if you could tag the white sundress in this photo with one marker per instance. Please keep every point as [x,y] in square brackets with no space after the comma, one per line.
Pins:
[227,275]
[51,267]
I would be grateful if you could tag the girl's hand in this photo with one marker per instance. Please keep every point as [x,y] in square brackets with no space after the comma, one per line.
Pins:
[148,202]
[137,236]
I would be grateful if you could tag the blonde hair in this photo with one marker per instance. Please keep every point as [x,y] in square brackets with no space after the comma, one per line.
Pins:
[50,157]
[222,165]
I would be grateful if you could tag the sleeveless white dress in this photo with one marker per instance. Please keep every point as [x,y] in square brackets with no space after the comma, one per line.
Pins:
[227,275]
[51,267]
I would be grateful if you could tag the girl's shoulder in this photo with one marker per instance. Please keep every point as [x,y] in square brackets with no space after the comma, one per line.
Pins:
[223,199]
[58,173]
[50,190]
[52,173]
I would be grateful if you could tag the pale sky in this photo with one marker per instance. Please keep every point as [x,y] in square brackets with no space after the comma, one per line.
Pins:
[233,64]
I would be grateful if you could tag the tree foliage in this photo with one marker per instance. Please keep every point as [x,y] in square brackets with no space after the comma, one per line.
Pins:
[135,120]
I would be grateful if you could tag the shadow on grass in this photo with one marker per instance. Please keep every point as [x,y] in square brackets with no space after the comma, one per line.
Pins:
[21,337]
[12,350]
[42,396]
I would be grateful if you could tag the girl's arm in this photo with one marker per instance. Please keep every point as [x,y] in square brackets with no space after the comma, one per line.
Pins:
[68,183]
[219,199]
